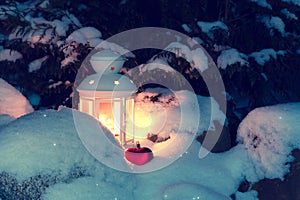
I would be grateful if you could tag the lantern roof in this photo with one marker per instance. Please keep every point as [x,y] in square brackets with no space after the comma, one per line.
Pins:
[107,55]
[107,61]
[114,83]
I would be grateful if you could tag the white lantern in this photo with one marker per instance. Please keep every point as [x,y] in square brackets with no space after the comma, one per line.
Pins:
[108,96]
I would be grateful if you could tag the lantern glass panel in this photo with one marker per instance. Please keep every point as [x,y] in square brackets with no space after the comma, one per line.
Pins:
[109,115]
[86,106]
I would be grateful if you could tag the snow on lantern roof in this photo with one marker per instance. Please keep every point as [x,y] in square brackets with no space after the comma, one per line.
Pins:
[116,85]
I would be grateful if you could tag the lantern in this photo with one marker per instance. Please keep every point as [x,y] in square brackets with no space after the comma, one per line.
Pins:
[108,96]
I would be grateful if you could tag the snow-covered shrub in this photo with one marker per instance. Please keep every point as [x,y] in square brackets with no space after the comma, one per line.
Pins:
[269,135]
[44,45]
[231,57]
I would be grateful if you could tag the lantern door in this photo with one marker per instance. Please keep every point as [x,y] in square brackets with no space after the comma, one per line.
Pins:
[117,115]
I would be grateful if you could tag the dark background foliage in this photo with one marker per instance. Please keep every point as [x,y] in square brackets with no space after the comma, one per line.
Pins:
[246,34]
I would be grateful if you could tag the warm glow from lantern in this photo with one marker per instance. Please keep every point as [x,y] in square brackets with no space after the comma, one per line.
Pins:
[107,122]
[142,119]
[108,116]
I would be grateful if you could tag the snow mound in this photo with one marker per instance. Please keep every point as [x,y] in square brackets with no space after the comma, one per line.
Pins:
[42,150]
[230,57]
[86,188]
[263,56]
[218,174]
[5,119]
[10,55]
[191,191]
[30,147]
[45,147]
[12,102]
[269,135]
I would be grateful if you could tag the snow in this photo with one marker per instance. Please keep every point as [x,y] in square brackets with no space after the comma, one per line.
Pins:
[208,27]
[5,119]
[61,27]
[115,47]
[44,4]
[274,22]
[54,85]
[12,102]
[207,105]
[2,38]
[37,148]
[10,55]
[43,31]
[218,48]
[70,56]
[43,36]
[190,191]
[180,50]
[264,76]
[250,195]
[230,57]
[85,188]
[217,175]
[288,14]
[46,143]
[40,36]
[197,57]
[264,55]
[157,64]
[36,64]
[186,28]
[74,20]
[269,135]
[198,40]
[262,3]
[123,2]
[295,2]
[82,7]
[200,59]
[7,10]
[165,119]
[85,35]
